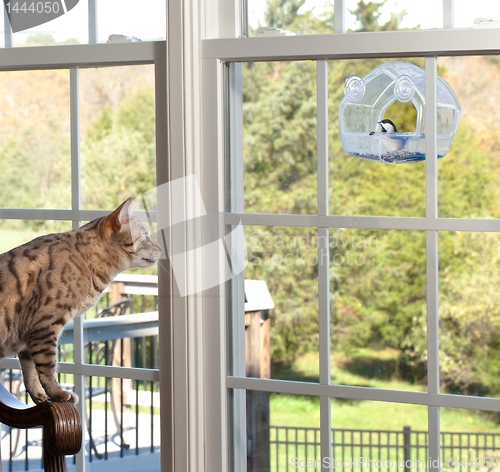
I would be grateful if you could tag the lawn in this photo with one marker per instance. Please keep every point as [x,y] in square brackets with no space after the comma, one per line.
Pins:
[301,411]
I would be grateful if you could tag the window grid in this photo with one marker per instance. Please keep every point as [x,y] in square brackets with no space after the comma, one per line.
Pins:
[433,399]
[323,253]
[53,57]
[431,208]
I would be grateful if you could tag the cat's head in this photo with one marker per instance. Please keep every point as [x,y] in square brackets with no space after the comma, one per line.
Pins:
[134,238]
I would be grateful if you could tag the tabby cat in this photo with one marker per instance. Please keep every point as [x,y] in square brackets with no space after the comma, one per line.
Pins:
[45,282]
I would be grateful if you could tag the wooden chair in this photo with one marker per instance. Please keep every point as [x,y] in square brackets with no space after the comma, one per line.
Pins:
[61,422]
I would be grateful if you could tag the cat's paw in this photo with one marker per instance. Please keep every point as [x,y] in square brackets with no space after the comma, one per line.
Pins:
[39,397]
[65,396]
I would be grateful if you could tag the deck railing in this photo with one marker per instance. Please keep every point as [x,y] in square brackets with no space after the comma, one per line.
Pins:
[373,450]
[122,417]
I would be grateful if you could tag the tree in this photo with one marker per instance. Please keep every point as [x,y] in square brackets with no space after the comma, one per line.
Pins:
[281,13]
[40,38]
[368,13]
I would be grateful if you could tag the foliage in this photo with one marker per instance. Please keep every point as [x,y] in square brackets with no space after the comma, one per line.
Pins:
[40,38]
[377,278]
[118,153]
[368,13]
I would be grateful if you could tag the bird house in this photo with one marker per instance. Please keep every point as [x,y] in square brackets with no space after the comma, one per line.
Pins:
[366,101]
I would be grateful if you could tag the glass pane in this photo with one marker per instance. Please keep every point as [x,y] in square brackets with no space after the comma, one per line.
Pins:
[145,21]
[469,438]
[468,174]
[381,433]
[378,291]
[282,430]
[136,434]
[313,17]
[362,181]
[35,160]
[279,133]
[468,313]
[307,17]
[282,343]
[132,340]
[118,157]
[393,15]
[466,11]
[68,28]
[123,421]
[13,233]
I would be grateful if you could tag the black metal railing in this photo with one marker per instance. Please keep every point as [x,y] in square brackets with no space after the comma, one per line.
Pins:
[371,450]
[122,415]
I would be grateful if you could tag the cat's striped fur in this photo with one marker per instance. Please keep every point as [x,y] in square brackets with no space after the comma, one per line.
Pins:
[45,282]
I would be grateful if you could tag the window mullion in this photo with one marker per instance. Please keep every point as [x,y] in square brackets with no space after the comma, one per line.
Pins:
[431,196]
[448,13]
[74,74]
[323,256]
[339,16]
[93,36]
[8,37]
[237,308]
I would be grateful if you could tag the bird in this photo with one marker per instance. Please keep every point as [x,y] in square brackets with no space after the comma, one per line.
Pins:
[392,144]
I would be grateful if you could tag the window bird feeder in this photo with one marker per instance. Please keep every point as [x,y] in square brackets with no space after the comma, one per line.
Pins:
[366,101]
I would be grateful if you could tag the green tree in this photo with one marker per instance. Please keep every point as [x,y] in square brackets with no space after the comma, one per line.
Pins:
[281,13]
[41,38]
[368,13]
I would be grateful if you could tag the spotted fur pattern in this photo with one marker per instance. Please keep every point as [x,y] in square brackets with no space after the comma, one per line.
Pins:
[45,282]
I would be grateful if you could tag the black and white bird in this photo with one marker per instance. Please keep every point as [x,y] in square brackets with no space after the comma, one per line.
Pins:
[392,144]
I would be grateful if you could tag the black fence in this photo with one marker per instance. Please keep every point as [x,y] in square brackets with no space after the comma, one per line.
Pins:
[122,417]
[357,450]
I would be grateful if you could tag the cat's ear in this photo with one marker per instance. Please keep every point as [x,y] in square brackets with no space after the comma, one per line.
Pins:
[118,218]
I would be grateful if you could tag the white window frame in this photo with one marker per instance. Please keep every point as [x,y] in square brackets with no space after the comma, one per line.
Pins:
[74,58]
[222,391]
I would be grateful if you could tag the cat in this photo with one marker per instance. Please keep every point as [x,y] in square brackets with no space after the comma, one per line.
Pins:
[45,282]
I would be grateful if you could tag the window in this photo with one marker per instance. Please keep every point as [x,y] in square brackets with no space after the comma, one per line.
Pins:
[414,226]
[80,137]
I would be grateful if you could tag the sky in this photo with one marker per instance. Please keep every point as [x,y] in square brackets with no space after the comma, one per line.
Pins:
[426,13]
[145,19]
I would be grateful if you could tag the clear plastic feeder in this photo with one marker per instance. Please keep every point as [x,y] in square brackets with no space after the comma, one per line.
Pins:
[366,101]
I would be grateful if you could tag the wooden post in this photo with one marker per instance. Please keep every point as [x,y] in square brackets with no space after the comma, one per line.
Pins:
[117,292]
[258,364]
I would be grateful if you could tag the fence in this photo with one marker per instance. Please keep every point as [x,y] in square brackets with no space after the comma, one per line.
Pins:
[299,448]
[122,415]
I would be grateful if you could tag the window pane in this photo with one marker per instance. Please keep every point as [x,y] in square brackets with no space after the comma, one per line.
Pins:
[468,175]
[393,15]
[468,312]
[282,429]
[136,406]
[364,182]
[35,160]
[314,17]
[380,431]
[286,259]
[309,17]
[378,290]
[469,437]
[13,233]
[145,21]
[279,132]
[69,28]
[118,158]
[466,12]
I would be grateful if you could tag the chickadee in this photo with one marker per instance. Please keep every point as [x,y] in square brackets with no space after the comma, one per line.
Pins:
[389,127]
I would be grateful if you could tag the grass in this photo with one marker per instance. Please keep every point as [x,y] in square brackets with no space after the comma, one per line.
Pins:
[366,368]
